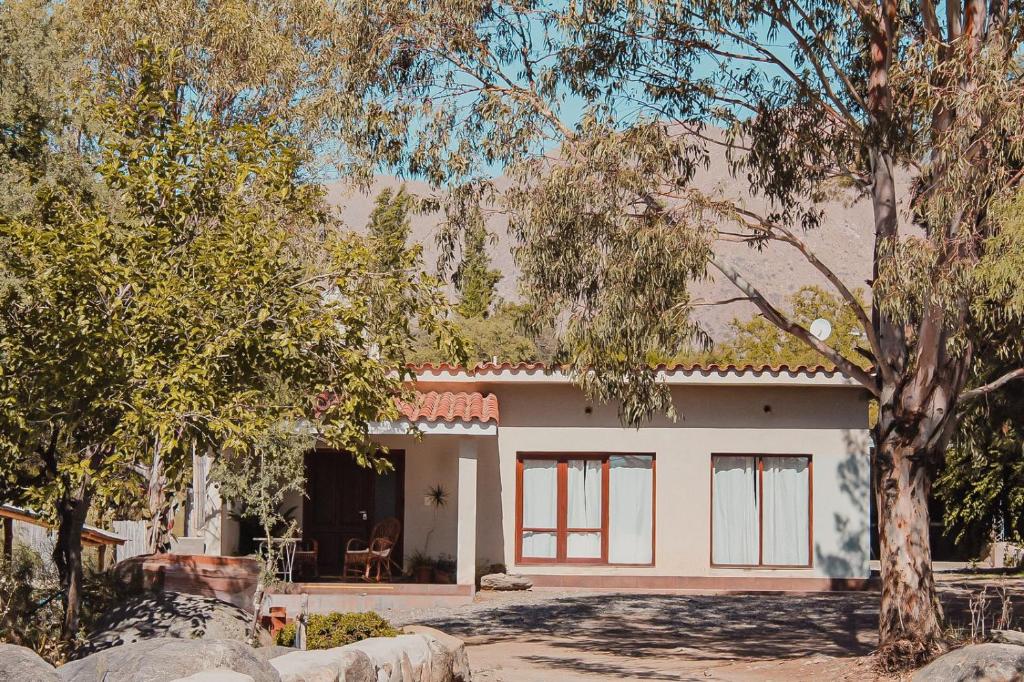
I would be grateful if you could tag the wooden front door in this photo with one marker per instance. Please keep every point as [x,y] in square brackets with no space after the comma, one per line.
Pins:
[345,500]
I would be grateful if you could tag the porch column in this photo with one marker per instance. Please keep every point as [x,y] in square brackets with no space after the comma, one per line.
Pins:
[466,556]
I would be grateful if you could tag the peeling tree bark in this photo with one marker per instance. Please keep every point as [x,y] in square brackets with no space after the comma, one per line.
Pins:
[910,616]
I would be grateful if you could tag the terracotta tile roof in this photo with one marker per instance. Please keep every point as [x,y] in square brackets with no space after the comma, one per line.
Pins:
[451,406]
[535,367]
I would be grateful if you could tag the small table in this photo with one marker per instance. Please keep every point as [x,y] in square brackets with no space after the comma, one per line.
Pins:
[287,558]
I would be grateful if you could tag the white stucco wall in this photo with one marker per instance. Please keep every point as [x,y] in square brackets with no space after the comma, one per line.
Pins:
[828,423]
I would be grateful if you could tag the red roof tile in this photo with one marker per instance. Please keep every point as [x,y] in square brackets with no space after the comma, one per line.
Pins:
[531,367]
[451,406]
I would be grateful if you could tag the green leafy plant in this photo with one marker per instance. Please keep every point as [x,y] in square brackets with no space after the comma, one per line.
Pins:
[327,631]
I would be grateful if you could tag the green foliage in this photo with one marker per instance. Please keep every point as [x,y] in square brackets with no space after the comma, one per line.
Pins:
[338,629]
[257,482]
[29,615]
[499,335]
[474,279]
[30,607]
[195,293]
[757,341]
[981,482]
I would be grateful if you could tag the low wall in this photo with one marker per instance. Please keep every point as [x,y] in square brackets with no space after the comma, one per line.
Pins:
[230,579]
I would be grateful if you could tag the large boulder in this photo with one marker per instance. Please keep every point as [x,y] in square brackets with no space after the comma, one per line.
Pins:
[273,651]
[423,655]
[18,663]
[1007,637]
[166,659]
[169,614]
[449,653]
[216,675]
[976,663]
[504,582]
[325,665]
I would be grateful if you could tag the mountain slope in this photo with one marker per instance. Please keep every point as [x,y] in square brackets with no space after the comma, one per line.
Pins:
[844,242]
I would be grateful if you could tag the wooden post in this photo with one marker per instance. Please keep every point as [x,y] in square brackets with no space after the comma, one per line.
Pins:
[9,538]
[103,556]
[300,624]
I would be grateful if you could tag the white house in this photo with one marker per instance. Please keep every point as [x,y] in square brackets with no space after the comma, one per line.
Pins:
[762,481]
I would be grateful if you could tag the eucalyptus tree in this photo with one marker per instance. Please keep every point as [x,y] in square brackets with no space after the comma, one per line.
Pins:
[603,114]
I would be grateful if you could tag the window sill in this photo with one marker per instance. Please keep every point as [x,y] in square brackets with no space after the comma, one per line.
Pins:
[756,567]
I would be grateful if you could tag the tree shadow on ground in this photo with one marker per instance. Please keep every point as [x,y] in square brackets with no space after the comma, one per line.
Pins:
[724,626]
[166,614]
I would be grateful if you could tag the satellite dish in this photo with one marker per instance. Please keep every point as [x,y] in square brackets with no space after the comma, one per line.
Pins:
[821,329]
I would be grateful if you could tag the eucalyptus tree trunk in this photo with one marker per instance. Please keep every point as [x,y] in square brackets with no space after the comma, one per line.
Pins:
[910,615]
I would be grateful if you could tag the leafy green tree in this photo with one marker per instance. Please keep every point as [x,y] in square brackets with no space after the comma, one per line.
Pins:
[809,100]
[981,484]
[200,295]
[475,279]
[500,335]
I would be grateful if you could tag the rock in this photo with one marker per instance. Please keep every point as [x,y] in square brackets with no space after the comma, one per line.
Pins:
[325,665]
[503,582]
[449,653]
[1007,637]
[168,658]
[273,651]
[396,659]
[169,614]
[976,663]
[217,675]
[18,663]
[423,655]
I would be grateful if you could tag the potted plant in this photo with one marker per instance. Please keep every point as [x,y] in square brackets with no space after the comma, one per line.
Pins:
[444,570]
[422,567]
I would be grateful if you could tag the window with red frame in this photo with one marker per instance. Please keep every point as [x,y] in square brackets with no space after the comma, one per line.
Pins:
[579,508]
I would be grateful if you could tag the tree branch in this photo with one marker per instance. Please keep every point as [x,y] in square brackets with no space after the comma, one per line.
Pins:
[785,324]
[992,386]
[793,240]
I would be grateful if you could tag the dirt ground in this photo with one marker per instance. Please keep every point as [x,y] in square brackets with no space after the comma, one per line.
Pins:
[573,637]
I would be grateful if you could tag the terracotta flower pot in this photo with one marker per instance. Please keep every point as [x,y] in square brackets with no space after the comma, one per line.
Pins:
[422,574]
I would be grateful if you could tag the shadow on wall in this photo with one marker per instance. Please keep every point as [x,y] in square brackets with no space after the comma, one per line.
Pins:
[490,518]
[849,554]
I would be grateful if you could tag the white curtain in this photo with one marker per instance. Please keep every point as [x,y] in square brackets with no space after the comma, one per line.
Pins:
[786,518]
[540,507]
[584,508]
[735,512]
[630,492]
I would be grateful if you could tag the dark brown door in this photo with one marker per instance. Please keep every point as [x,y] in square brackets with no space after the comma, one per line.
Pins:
[345,500]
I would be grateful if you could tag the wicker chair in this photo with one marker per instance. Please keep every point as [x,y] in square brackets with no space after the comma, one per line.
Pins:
[364,557]
[307,556]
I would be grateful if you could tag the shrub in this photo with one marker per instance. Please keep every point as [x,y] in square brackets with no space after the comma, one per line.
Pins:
[337,629]
[30,608]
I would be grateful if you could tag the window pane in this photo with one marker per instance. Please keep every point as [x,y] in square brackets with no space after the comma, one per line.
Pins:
[584,546]
[786,522]
[584,493]
[735,512]
[538,545]
[540,493]
[630,493]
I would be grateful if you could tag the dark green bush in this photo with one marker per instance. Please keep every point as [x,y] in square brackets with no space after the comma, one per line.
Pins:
[337,629]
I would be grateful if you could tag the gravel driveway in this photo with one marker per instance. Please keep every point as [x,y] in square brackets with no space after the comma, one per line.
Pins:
[529,637]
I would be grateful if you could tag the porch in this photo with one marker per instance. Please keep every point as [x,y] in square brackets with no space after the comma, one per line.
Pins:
[433,490]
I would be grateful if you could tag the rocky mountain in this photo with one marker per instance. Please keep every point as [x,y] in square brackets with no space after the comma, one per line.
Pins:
[844,242]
